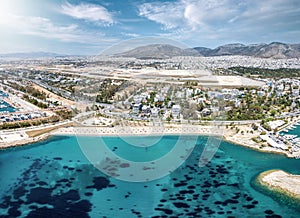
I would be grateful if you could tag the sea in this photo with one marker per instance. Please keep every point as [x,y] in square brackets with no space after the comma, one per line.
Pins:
[4,106]
[56,178]
[293,130]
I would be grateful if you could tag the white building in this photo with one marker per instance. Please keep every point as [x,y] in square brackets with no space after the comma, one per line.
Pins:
[154,112]
[136,108]
[176,110]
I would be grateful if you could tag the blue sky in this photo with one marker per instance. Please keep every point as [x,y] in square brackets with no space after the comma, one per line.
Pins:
[88,27]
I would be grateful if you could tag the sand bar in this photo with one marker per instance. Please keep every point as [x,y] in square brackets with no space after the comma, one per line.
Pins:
[281,182]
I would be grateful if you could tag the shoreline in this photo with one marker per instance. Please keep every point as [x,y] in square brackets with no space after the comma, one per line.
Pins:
[276,181]
[113,131]
[281,182]
[23,137]
[228,135]
[258,148]
[140,131]
[27,141]
[266,179]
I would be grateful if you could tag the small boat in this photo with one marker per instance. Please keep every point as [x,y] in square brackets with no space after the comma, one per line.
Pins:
[289,136]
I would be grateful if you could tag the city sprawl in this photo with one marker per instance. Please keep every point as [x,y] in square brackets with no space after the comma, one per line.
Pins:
[236,92]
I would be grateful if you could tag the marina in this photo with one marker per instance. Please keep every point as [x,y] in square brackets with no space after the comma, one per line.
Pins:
[4,106]
[292,135]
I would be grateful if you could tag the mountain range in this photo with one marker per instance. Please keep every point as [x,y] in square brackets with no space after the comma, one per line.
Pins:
[162,51]
[31,55]
[272,50]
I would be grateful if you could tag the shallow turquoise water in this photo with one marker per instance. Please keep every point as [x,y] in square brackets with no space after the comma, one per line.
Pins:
[140,153]
[55,179]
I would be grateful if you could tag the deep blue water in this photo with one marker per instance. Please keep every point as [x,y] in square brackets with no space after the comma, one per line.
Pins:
[55,179]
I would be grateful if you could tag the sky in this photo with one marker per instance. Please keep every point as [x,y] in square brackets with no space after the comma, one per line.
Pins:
[92,26]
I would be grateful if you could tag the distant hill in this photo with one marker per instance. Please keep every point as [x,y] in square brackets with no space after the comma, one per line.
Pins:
[159,51]
[31,55]
[272,50]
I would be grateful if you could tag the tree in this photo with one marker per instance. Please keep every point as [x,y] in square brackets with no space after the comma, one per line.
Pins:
[273,112]
[254,126]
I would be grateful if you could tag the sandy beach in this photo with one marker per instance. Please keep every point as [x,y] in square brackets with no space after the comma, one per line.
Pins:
[243,137]
[141,130]
[21,137]
[281,182]
[21,141]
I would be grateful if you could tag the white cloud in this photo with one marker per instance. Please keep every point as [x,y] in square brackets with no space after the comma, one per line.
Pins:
[188,13]
[168,14]
[88,12]
[209,13]
[131,35]
[226,19]
[45,28]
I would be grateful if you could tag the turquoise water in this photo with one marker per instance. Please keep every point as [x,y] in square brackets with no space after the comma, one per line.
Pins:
[140,154]
[294,131]
[55,179]
[3,94]
[5,107]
